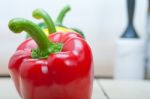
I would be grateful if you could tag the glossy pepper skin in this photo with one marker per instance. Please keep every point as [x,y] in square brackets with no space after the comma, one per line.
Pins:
[66,73]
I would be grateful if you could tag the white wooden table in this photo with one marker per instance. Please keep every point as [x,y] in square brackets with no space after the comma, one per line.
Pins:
[103,89]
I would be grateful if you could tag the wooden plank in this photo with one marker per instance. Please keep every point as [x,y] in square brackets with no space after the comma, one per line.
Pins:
[8,91]
[126,89]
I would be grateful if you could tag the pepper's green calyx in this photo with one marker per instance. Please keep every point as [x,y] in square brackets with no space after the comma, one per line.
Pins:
[42,14]
[62,14]
[45,46]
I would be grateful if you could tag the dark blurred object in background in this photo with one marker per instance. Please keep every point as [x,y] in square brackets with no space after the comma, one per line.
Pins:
[130,31]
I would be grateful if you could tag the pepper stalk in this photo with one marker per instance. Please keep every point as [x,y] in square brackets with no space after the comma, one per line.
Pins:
[62,14]
[45,46]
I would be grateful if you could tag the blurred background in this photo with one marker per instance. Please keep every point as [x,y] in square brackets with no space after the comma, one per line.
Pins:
[102,21]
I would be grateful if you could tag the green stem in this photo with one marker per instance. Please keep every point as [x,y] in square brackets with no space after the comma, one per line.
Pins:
[45,46]
[62,14]
[41,14]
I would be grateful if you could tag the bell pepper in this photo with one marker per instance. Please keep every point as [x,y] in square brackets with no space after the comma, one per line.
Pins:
[58,66]
[60,18]
[59,21]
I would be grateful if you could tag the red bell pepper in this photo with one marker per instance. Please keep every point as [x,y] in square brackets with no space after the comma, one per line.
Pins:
[59,66]
[46,25]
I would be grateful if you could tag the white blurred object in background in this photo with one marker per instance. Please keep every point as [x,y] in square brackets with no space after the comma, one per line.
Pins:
[130,59]
[130,56]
